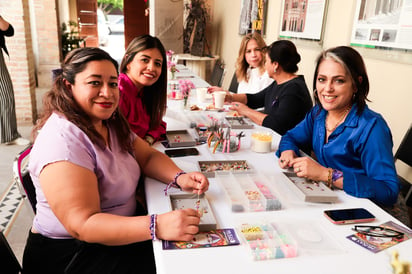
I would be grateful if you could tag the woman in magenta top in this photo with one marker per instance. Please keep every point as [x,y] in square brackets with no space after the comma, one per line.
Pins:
[143,87]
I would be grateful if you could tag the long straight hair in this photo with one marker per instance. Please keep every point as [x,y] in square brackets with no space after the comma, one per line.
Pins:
[241,64]
[154,96]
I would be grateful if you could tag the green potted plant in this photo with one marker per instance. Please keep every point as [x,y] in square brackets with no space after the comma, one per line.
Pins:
[70,37]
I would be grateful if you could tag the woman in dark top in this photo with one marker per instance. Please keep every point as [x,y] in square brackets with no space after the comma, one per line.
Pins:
[8,122]
[286,101]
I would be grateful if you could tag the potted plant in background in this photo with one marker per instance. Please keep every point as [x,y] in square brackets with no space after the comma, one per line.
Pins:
[70,37]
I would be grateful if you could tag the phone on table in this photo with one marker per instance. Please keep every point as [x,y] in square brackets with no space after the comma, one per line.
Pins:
[349,215]
[180,152]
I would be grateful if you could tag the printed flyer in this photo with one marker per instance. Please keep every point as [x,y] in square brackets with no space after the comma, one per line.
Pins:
[213,238]
[376,244]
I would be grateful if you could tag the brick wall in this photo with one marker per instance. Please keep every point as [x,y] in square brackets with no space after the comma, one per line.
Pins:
[31,62]
[47,44]
[21,61]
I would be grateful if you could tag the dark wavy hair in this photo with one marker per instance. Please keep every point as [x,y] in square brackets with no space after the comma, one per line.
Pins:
[154,96]
[285,53]
[60,99]
[353,63]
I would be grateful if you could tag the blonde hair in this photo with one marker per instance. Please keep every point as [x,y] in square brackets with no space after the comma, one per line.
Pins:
[241,64]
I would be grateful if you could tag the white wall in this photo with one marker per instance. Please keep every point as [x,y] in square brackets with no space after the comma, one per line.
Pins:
[390,92]
[166,23]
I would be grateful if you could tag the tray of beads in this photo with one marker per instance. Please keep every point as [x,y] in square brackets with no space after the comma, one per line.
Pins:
[238,123]
[209,168]
[180,138]
[249,192]
[268,241]
[311,191]
[197,202]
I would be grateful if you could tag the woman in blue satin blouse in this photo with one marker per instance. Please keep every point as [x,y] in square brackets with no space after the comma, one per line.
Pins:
[351,143]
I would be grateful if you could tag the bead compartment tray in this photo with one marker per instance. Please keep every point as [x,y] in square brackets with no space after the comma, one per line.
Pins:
[180,138]
[268,241]
[188,200]
[209,168]
[309,191]
[238,123]
[249,192]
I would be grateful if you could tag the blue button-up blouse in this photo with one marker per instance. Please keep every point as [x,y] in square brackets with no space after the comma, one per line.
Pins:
[361,147]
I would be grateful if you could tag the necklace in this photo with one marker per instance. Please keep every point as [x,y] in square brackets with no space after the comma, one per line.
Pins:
[338,123]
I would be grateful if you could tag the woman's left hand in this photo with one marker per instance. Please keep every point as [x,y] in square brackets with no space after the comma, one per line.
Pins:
[307,168]
[195,182]
[239,107]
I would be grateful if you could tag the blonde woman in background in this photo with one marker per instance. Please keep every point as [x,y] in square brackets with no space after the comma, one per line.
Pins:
[250,66]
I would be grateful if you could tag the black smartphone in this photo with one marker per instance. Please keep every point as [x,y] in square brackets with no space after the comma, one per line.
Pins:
[349,215]
[180,152]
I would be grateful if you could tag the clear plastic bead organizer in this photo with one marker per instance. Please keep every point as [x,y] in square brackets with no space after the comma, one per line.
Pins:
[248,192]
[268,241]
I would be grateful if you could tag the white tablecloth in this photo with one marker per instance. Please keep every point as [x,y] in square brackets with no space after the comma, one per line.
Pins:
[328,252]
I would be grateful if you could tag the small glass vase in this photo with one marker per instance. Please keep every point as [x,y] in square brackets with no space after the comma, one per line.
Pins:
[185,99]
[171,75]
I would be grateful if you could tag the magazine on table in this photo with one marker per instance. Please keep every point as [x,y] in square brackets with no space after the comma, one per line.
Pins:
[213,238]
[376,244]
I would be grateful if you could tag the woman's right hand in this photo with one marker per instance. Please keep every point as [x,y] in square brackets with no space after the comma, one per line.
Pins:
[178,225]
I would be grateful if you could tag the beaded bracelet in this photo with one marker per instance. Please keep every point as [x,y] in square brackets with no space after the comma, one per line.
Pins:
[153,219]
[330,182]
[174,182]
[336,174]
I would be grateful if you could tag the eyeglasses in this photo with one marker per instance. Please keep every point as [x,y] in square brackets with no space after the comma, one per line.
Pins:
[378,231]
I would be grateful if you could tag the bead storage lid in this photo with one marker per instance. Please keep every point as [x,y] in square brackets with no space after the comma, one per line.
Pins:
[210,168]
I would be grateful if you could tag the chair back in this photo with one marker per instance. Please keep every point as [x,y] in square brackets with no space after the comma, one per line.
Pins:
[404,152]
[233,84]
[22,177]
[9,263]
[217,74]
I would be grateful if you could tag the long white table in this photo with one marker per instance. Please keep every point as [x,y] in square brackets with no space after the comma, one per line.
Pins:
[332,253]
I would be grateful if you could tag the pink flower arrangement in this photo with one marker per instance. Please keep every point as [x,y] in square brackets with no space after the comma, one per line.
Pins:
[185,86]
[170,64]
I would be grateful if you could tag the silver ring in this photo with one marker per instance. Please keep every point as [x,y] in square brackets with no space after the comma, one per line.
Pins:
[298,170]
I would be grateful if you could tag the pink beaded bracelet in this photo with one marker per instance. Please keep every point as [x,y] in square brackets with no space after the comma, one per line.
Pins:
[174,182]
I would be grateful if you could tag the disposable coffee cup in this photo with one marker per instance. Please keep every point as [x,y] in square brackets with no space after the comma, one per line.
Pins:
[201,94]
[219,99]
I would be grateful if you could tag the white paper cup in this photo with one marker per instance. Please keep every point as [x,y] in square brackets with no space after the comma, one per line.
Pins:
[261,142]
[219,99]
[201,94]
